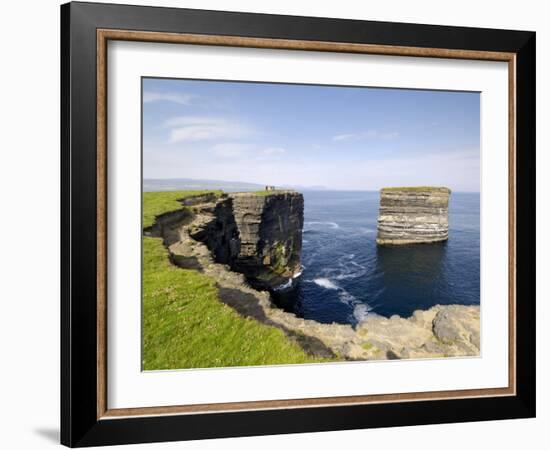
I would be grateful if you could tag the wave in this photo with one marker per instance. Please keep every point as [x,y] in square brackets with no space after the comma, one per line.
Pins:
[351,274]
[346,297]
[367,230]
[326,283]
[346,269]
[285,286]
[361,311]
[333,225]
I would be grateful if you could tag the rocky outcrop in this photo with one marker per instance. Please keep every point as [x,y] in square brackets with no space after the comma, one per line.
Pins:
[441,331]
[411,215]
[258,235]
[203,233]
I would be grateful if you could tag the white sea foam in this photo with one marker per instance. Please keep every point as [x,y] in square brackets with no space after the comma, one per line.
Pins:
[346,297]
[360,312]
[285,286]
[326,283]
[350,275]
[367,230]
[360,309]
[347,269]
[330,224]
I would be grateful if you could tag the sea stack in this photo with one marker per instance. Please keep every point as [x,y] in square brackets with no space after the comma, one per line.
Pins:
[413,215]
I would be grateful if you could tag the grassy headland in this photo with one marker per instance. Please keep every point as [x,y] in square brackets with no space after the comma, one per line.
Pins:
[157,203]
[266,193]
[185,325]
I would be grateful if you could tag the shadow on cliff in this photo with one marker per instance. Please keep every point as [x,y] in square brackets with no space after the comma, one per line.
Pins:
[247,305]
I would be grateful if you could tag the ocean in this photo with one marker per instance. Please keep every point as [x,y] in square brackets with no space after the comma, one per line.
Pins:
[346,275]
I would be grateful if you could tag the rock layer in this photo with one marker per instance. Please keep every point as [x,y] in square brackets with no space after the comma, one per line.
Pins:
[411,215]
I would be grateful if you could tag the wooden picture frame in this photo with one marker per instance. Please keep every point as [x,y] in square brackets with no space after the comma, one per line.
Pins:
[86,418]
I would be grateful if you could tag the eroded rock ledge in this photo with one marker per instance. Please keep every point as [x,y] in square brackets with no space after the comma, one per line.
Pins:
[411,215]
[197,237]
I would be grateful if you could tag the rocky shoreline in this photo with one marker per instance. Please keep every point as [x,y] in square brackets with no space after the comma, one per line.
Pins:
[441,331]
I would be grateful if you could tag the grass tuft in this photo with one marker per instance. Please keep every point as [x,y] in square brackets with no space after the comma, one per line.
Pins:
[417,188]
[265,193]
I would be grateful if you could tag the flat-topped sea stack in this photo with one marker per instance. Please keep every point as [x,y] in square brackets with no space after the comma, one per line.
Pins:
[413,215]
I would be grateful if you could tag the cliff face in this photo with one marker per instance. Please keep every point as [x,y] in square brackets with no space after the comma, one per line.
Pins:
[270,233]
[259,236]
[413,215]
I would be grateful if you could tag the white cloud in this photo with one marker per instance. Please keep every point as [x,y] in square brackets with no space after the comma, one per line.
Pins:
[272,151]
[369,134]
[230,150]
[458,170]
[248,151]
[181,99]
[188,128]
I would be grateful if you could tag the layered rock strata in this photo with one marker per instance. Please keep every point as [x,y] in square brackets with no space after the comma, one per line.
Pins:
[441,331]
[412,215]
[270,236]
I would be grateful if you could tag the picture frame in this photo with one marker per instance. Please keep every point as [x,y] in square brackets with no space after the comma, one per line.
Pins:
[86,418]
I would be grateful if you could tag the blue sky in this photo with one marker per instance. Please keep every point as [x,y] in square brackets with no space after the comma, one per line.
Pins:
[345,138]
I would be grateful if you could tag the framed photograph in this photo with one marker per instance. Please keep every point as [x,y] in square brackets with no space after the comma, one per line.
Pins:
[277,224]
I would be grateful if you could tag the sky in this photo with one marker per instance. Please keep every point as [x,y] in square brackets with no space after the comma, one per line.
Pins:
[341,138]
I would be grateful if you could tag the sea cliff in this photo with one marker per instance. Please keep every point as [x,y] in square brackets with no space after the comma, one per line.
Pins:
[238,241]
[270,236]
[412,215]
[256,234]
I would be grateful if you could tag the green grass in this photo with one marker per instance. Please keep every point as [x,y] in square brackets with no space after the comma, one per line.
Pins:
[184,323]
[265,193]
[417,188]
[156,203]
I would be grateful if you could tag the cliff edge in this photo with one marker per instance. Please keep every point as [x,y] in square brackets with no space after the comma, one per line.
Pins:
[412,215]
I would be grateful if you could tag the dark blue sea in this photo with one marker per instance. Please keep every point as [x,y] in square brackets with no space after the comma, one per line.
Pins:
[347,276]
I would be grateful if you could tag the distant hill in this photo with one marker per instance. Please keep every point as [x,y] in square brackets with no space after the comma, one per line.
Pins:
[177,184]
